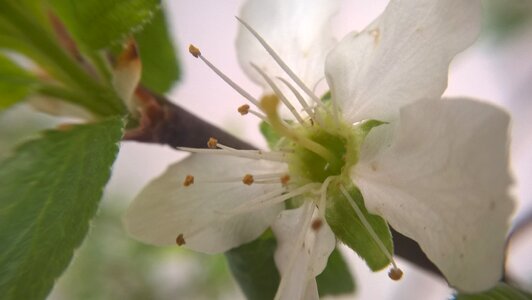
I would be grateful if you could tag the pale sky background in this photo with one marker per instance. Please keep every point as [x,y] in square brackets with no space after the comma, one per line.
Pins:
[497,73]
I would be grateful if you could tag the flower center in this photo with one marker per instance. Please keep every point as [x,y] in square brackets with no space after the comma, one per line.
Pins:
[318,151]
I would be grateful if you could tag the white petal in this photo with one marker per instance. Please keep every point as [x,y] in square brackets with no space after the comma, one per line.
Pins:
[300,263]
[444,182]
[298,30]
[403,56]
[166,208]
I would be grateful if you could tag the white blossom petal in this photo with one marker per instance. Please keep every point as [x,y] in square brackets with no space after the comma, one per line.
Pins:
[299,264]
[298,30]
[166,208]
[401,57]
[444,182]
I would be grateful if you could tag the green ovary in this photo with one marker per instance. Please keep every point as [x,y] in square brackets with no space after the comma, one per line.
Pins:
[308,166]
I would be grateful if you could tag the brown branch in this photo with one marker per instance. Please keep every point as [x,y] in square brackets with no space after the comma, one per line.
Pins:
[166,123]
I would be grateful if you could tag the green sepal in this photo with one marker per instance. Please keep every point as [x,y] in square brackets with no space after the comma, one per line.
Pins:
[347,227]
[253,267]
[50,190]
[502,291]
[15,83]
[366,126]
[336,279]
[326,97]
[270,135]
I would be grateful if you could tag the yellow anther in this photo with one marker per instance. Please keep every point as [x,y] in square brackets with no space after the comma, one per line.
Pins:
[248,179]
[188,180]
[395,273]
[316,224]
[285,179]
[212,143]
[194,51]
[244,109]
[180,240]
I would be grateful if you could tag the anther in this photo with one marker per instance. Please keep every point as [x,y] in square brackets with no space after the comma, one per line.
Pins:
[285,179]
[395,273]
[316,224]
[194,51]
[188,180]
[244,109]
[180,240]
[212,143]
[248,179]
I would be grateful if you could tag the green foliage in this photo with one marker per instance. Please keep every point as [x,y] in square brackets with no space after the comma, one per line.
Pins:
[111,265]
[254,269]
[349,229]
[97,24]
[503,18]
[15,83]
[336,279]
[502,291]
[50,191]
[160,68]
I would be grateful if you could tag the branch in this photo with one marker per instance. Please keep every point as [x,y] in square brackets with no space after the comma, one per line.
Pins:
[163,122]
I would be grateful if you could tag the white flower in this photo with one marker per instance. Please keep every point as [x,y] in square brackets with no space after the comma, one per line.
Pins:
[436,170]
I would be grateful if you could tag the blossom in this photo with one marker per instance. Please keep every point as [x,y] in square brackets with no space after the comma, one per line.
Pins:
[435,169]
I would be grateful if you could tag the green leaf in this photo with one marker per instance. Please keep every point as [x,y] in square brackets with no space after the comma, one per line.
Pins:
[349,229]
[270,135]
[254,269]
[160,68]
[50,191]
[336,279]
[97,24]
[502,291]
[15,83]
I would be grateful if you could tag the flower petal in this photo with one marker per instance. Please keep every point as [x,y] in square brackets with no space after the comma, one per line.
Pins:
[301,260]
[166,208]
[401,57]
[298,30]
[444,182]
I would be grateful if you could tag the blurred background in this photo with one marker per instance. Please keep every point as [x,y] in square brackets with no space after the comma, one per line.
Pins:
[109,265]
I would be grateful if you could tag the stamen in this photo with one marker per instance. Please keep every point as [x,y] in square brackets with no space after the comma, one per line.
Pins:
[248,179]
[180,240]
[244,109]
[280,62]
[267,200]
[269,106]
[395,271]
[259,115]
[301,100]
[317,224]
[278,92]
[323,196]
[285,179]
[252,154]
[188,180]
[395,274]
[212,143]
[196,53]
